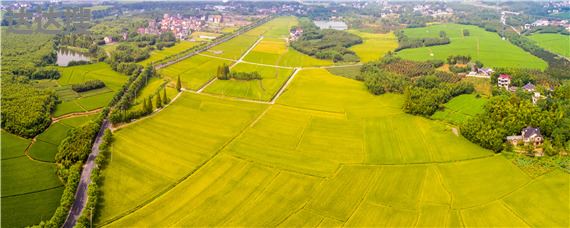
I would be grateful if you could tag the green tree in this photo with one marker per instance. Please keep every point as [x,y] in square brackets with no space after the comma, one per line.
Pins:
[178,84]
[145,106]
[548,149]
[165,99]
[158,101]
[149,105]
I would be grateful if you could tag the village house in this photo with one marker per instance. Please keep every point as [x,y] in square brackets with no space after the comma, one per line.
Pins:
[504,80]
[529,87]
[529,135]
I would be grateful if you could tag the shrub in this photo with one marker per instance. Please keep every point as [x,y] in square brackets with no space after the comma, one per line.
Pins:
[88,85]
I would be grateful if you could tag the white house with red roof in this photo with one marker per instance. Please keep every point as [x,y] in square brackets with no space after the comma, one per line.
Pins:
[504,80]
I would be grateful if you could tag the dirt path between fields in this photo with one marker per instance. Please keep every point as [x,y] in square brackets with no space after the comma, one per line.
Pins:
[75,114]
[231,66]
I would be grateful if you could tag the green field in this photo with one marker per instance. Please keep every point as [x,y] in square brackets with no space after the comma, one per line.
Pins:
[277,52]
[30,189]
[556,43]
[194,72]
[481,45]
[374,46]
[236,47]
[89,100]
[274,49]
[460,108]
[327,154]
[158,55]
[135,150]
[265,89]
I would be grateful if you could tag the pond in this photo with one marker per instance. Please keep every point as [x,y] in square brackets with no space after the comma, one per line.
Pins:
[64,56]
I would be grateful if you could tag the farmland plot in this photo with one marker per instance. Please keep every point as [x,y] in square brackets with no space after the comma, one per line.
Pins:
[374,46]
[30,189]
[327,154]
[556,43]
[194,72]
[272,80]
[481,45]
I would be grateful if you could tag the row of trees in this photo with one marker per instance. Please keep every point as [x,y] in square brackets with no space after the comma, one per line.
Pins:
[160,100]
[405,42]
[327,43]
[224,73]
[140,80]
[88,85]
[429,93]
[458,59]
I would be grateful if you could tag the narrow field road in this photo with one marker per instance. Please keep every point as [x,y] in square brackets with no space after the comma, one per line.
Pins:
[75,114]
[201,89]
[81,194]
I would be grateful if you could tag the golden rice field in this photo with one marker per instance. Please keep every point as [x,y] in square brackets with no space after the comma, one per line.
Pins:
[326,154]
[374,45]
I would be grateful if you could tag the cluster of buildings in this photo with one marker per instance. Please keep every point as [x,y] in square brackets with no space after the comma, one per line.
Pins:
[180,26]
[295,34]
[433,11]
[545,22]
[504,81]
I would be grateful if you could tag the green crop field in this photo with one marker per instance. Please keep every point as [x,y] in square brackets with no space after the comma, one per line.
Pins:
[274,49]
[194,72]
[460,108]
[79,102]
[328,153]
[236,47]
[374,46]
[276,52]
[30,189]
[556,43]
[265,89]
[166,52]
[481,45]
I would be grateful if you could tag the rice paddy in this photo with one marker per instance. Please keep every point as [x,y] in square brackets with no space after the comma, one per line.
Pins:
[326,154]
[556,43]
[194,72]
[89,100]
[481,45]
[158,55]
[461,108]
[30,189]
[272,80]
[374,46]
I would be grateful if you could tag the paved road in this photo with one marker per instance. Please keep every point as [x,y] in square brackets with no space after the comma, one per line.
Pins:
[81,194]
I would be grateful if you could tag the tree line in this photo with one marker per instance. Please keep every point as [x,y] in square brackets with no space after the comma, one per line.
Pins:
[326,43]
[88,85]
[224,73]
[405,42]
